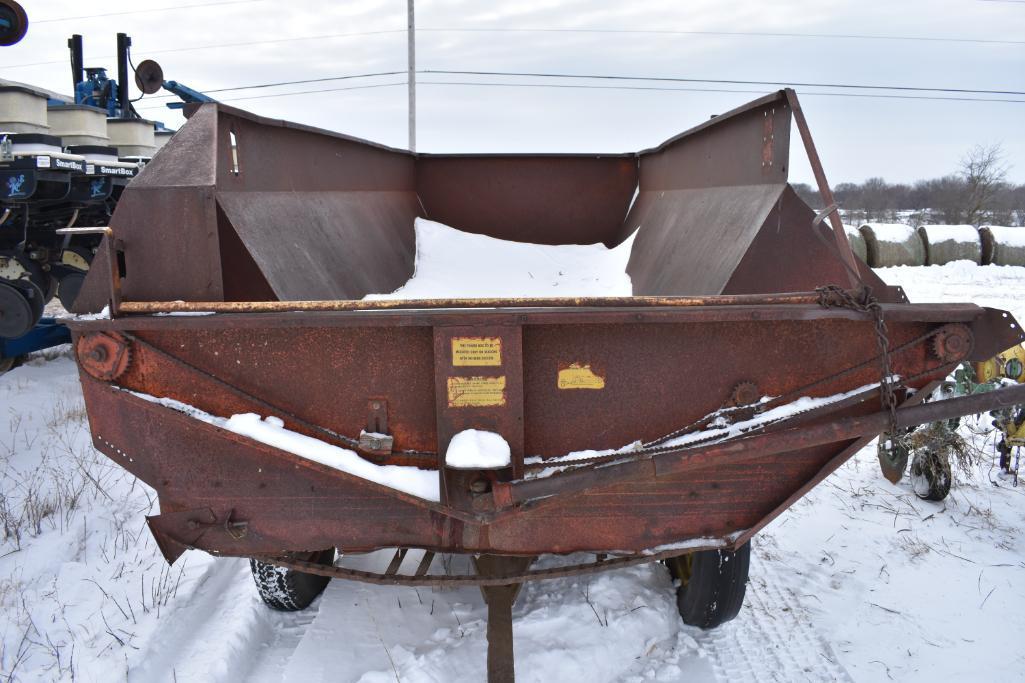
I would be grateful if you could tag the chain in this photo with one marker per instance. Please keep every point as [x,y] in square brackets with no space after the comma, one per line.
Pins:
[468,579]
[832,296]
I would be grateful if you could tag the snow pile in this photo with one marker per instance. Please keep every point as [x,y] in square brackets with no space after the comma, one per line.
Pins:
[476,449]
[454,264]
[271,431]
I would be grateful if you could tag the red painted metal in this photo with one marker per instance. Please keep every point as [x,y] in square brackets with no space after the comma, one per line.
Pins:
[265,235]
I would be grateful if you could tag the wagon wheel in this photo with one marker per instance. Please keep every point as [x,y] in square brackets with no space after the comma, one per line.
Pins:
[930,473]
[289,590]
[712,585]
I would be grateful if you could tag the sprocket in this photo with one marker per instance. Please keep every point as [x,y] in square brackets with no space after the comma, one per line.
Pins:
[104,355]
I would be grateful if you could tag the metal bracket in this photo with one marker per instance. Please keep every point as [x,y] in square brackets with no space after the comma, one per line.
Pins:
[375,438]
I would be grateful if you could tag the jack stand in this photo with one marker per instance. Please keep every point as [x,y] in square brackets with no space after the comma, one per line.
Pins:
[500,599]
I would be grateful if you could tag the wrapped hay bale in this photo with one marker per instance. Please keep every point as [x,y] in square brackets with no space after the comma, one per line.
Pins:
[1002,246]
[892,244]
[857,242]
[946,243]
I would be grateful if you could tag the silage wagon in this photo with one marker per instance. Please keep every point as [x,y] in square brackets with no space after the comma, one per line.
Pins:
[756,356]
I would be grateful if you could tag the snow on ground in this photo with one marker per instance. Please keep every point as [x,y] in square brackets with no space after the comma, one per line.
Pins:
[858,581]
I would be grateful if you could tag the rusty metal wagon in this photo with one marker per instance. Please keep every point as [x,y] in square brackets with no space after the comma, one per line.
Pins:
[756,355]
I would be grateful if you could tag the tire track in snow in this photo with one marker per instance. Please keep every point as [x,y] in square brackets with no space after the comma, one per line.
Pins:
[215,635]
[770,640]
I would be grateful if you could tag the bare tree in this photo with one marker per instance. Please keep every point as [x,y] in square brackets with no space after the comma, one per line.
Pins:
[984,173]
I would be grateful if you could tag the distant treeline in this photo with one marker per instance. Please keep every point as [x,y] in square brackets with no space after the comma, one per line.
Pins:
[976,194]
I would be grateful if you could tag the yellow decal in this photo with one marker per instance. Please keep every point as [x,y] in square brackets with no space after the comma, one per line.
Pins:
[580,376]
[70,258]
[476,392]
[476,351]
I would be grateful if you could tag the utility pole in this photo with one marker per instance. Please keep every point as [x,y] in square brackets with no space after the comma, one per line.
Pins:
[411,77]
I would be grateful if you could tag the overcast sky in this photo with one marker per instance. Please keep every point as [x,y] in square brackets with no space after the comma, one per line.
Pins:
[858,137]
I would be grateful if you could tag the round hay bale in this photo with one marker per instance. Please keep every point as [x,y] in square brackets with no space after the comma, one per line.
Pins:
[1007,245]
[857,242]
[946,243]
[892,244]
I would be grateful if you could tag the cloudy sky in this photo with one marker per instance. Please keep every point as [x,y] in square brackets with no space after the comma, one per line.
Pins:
[966,44]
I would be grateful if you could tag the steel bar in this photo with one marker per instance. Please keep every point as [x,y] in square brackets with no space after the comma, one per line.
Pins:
[842,243]
[507,494]
[396,561]
[425,563]
[553,302]
[503,579]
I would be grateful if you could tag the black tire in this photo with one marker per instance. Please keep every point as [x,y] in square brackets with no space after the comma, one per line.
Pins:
[288,590]
[712,585]
[930,474]
[69,287]
[21,306]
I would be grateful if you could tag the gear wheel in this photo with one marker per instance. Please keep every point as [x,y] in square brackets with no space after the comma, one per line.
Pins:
[744,394]
[952,343]
[104,355]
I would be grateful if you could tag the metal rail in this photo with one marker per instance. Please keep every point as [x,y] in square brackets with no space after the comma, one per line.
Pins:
[419,304]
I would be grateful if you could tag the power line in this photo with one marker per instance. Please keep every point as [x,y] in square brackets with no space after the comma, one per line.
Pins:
[249,43]
[729,34]
[607,87]
[717,90]
[146,11]
[858,86]
[301,92]
[330,36]
[453,72]
[300,82]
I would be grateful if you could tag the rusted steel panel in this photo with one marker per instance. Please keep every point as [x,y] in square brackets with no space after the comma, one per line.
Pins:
[326,245]
[352,366]
[651,384]
[690,240]
[729,150]
[244,280]
[478,384]
[190,162]
[287,501]
[565,199]
[279,156]
[169,238]
[786,255]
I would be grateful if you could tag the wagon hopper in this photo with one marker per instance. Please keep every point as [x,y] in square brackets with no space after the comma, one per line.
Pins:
[756,355]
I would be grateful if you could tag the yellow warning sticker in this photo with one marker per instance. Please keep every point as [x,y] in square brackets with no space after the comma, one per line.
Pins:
[580,376]
[476,392]
[476,351]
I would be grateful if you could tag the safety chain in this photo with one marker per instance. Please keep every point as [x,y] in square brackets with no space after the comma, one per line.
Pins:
[832,296]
